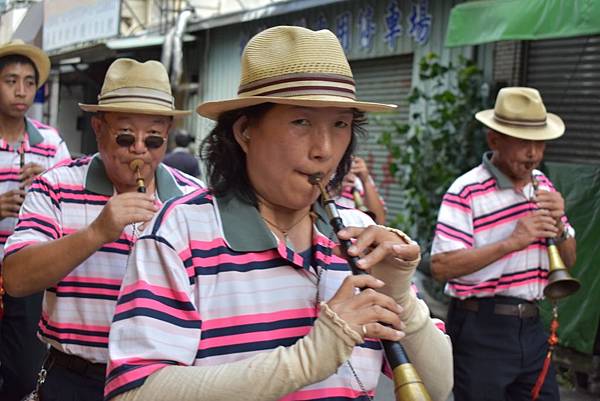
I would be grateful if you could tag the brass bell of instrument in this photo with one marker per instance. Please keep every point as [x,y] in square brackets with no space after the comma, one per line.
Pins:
[560,283]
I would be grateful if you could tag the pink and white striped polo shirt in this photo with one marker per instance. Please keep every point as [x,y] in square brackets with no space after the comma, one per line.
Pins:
[77,312]
[482,207]
[208,283]
[41,145]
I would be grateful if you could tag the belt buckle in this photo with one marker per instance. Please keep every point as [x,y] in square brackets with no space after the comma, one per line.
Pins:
[521,308]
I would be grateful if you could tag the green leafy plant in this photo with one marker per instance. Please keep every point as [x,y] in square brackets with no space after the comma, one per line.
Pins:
[441,140]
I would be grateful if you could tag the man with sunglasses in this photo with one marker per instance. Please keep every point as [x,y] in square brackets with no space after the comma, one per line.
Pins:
[27,147]
[78,226]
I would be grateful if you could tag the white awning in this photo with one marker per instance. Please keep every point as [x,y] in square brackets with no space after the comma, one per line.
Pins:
[30,28]
[141,41]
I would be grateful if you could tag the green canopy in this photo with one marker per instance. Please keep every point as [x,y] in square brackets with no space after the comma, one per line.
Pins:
[579,313]
[479,22]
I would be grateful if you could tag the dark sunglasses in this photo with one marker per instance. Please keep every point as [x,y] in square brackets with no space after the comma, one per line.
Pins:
[151,142]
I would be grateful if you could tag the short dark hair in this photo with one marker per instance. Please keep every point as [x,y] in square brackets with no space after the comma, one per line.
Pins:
[19,59]
[183,139]
[226,161]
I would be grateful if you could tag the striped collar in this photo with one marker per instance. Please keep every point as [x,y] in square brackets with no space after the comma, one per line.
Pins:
[97,181]
[246,231]
[502,181]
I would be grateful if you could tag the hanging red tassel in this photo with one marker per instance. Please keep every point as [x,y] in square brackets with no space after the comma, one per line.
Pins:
[552,342]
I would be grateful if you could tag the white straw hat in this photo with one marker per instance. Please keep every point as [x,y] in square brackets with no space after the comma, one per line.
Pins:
[134,87]
[35,54]
[297,66]
[520,112]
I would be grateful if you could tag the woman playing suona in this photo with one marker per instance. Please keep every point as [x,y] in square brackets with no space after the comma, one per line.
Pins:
[239,292]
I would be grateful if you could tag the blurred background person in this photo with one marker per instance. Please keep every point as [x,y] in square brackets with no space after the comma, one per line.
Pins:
[181,157]
[359,191]
[27,147]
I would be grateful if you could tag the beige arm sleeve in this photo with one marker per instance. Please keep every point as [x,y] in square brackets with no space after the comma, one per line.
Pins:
[266,376]
[429,350]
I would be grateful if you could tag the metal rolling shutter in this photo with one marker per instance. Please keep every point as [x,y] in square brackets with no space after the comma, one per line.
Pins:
[567,74]
[383,80]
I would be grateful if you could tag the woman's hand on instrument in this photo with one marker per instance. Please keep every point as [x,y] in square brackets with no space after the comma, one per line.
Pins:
[375,244]
[367,312]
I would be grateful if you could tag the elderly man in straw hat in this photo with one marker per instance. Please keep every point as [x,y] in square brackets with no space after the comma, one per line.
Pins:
[245,294]
[489,247]
[27,147]
[81,219]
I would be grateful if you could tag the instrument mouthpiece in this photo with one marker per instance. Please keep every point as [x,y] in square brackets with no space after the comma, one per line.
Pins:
[315,179]
[136,164]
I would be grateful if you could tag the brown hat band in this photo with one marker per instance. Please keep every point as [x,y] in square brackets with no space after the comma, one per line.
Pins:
[290,85]
[520,123]
[144,95]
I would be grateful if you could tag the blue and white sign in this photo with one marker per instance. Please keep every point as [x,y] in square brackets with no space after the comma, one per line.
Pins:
[366,27]
[420,22]
[343,23]
[393,24]
[68,22]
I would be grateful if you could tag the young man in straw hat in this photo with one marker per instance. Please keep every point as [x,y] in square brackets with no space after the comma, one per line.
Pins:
[79,222]
[489,246]
[244,293]
[27,147]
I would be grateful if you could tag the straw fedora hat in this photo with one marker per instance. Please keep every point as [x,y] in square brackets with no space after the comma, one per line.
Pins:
[33,53]
[134,87]
[520,112]
[297,66]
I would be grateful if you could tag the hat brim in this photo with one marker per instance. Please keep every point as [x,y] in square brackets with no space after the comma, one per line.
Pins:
[554,128]
[134,108]
[214,109]
[36,55]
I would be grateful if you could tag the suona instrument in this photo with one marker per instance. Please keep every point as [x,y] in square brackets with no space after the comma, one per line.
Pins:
[560,283]
[22,156]
[136,166]
[408,386]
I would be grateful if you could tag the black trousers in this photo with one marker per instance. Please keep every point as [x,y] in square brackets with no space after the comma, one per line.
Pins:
[497,357]
[63,384]
[21,352]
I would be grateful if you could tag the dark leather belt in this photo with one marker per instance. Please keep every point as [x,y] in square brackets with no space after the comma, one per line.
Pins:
[522,310]
[77,364]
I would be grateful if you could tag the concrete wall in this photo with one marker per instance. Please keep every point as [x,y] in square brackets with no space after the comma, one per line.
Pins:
[68,116]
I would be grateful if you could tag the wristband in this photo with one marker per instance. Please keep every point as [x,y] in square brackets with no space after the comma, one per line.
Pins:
[399,233]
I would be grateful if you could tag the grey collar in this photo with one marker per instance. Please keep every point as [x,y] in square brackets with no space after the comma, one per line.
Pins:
[35,137]
[246,231]
[502,181]
[97,181]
